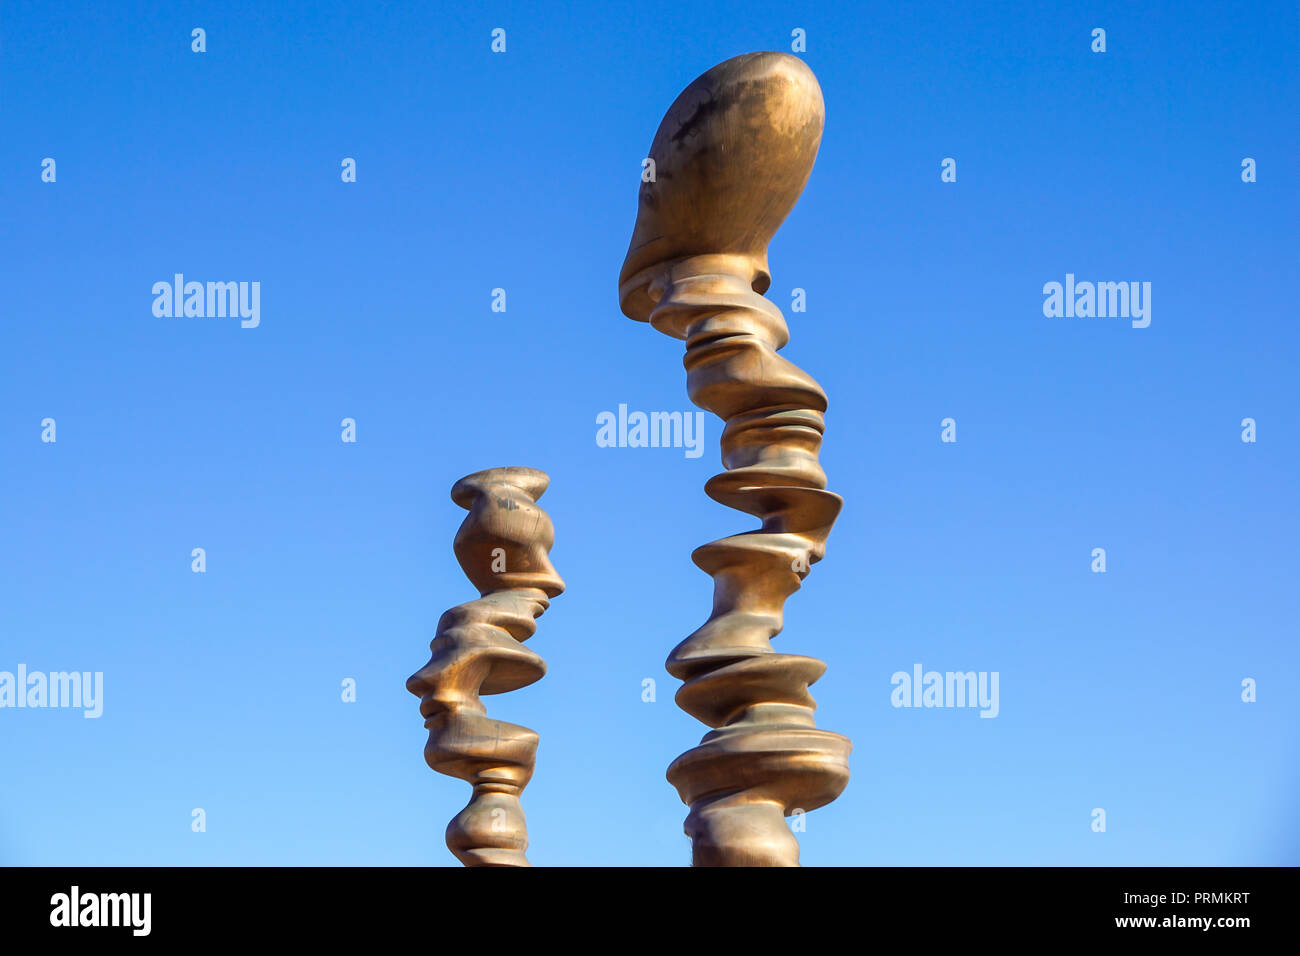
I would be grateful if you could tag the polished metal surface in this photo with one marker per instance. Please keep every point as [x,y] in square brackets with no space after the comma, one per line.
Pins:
[731,157]
[478,649]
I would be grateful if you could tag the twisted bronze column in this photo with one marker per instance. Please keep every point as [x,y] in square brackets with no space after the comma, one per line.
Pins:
[502,547]
[730,158]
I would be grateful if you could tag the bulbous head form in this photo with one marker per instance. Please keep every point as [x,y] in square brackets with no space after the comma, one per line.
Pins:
[731,157]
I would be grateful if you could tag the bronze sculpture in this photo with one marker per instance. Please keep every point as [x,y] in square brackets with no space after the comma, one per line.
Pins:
[731,157]
[502,547]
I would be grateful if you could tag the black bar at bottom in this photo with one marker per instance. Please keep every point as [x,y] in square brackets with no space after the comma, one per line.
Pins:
[337,905]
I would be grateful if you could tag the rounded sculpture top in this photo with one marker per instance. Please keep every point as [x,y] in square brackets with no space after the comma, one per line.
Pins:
[504,542]
[731,157]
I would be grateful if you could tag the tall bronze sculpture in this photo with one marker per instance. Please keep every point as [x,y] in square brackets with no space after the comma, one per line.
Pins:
[478,649]
[730,159]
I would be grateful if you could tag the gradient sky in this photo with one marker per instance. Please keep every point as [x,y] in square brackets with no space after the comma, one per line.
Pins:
[476,170]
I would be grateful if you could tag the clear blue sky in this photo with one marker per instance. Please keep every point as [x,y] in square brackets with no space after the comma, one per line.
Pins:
[328,560]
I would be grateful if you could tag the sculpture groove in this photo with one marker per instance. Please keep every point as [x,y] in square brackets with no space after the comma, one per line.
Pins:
[478,649]
[731,157]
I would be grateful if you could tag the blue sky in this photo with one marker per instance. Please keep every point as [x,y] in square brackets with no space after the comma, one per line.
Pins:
[520,170]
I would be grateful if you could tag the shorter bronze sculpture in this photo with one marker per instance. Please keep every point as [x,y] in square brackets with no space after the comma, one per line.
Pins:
[478,649]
